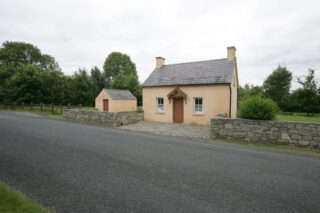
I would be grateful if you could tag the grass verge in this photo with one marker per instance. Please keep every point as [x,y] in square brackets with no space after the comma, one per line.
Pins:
[271,147]
[14,201]
[45,112]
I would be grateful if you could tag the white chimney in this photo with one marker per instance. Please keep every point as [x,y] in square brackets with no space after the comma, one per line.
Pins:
[231,53]
[159,62]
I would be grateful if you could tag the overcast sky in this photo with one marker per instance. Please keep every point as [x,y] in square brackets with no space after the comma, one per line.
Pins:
[82,33]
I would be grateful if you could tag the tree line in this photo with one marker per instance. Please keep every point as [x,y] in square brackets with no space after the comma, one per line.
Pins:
[277,87]
[27,75]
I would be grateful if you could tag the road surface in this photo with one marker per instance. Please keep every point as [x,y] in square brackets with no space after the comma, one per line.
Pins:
[83,168]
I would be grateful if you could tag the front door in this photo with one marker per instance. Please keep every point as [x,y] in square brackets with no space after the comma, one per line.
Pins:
[105,105]
[178,110]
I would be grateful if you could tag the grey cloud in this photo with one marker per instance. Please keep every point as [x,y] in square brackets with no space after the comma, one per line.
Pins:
[82,33]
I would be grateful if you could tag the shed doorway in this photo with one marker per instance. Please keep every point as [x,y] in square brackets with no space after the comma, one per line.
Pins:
[177,110]
[105,105]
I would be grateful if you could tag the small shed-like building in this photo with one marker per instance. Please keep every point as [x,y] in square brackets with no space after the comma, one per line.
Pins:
[115,100]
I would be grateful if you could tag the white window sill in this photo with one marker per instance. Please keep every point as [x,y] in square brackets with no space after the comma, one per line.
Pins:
[159,112]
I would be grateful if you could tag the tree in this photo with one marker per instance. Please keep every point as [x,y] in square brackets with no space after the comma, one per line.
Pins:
[28,75]
[307,96]
[290,103]
[6,71]
[133,85]
[98,79]
[277,85]
[309,81]
[248,91]
[120,73]
[82,88]
[115,64]
[17,53]
[54,86]
[26,85]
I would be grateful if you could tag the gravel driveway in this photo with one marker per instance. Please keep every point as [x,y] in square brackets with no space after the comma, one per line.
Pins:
[175,129]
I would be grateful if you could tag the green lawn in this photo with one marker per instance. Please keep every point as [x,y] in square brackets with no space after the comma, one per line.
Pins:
[88,108]
[285,116]
[14,201]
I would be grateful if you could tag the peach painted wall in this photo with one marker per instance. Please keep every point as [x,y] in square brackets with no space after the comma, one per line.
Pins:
[115,105]
[216,100]
[123,105]
[234,95]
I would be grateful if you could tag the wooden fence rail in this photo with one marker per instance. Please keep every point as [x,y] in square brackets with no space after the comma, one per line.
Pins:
[42,107]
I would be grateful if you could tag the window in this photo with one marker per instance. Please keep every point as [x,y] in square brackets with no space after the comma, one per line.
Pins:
[198,105]
[160,107]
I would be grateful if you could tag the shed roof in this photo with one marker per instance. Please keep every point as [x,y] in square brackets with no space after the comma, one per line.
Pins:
[117,94]
[219,71]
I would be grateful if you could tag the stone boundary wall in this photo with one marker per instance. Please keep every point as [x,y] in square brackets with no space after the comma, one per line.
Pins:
[107,118]
[300,134]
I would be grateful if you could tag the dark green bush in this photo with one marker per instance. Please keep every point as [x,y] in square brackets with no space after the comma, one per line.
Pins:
[257,108]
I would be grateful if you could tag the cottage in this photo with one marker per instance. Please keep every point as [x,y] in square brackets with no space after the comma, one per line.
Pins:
[191,92]
[114,100]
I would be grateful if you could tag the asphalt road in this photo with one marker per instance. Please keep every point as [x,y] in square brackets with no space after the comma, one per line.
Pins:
[83,168]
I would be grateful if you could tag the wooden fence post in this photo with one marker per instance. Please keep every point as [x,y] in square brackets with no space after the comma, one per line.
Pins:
[60,109]
[68,106]
[4,105]
[31,105]
[14,105]
[41,107]
[22,105]
[52,108]
[80,106]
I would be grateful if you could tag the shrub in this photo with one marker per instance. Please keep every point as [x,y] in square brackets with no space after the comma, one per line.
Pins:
[257,108]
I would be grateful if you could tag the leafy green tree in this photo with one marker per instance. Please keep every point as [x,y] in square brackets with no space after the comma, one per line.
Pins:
[54,85]
[98,79]
[307,96]
[133,85]
[82,88]
[120,82]
[26,85]
[17,53]
[28,75]
[248,91]
[6,71]
[120,73]
[117,64]
[277,85]
[290,103]
[308,82]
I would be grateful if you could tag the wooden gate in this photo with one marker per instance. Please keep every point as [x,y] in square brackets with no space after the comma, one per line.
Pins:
[105,105]
[178,110]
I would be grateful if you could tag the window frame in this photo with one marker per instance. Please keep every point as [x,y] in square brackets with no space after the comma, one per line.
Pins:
[158,105]
[197,105]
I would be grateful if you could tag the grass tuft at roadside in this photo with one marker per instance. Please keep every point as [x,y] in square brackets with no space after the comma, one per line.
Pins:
[14,201]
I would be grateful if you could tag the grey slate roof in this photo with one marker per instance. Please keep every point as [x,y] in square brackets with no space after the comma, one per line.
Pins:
[117,94]
[219,71]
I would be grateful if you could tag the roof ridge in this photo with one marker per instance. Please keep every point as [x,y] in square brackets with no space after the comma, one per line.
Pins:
[116,89]
[195,61]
